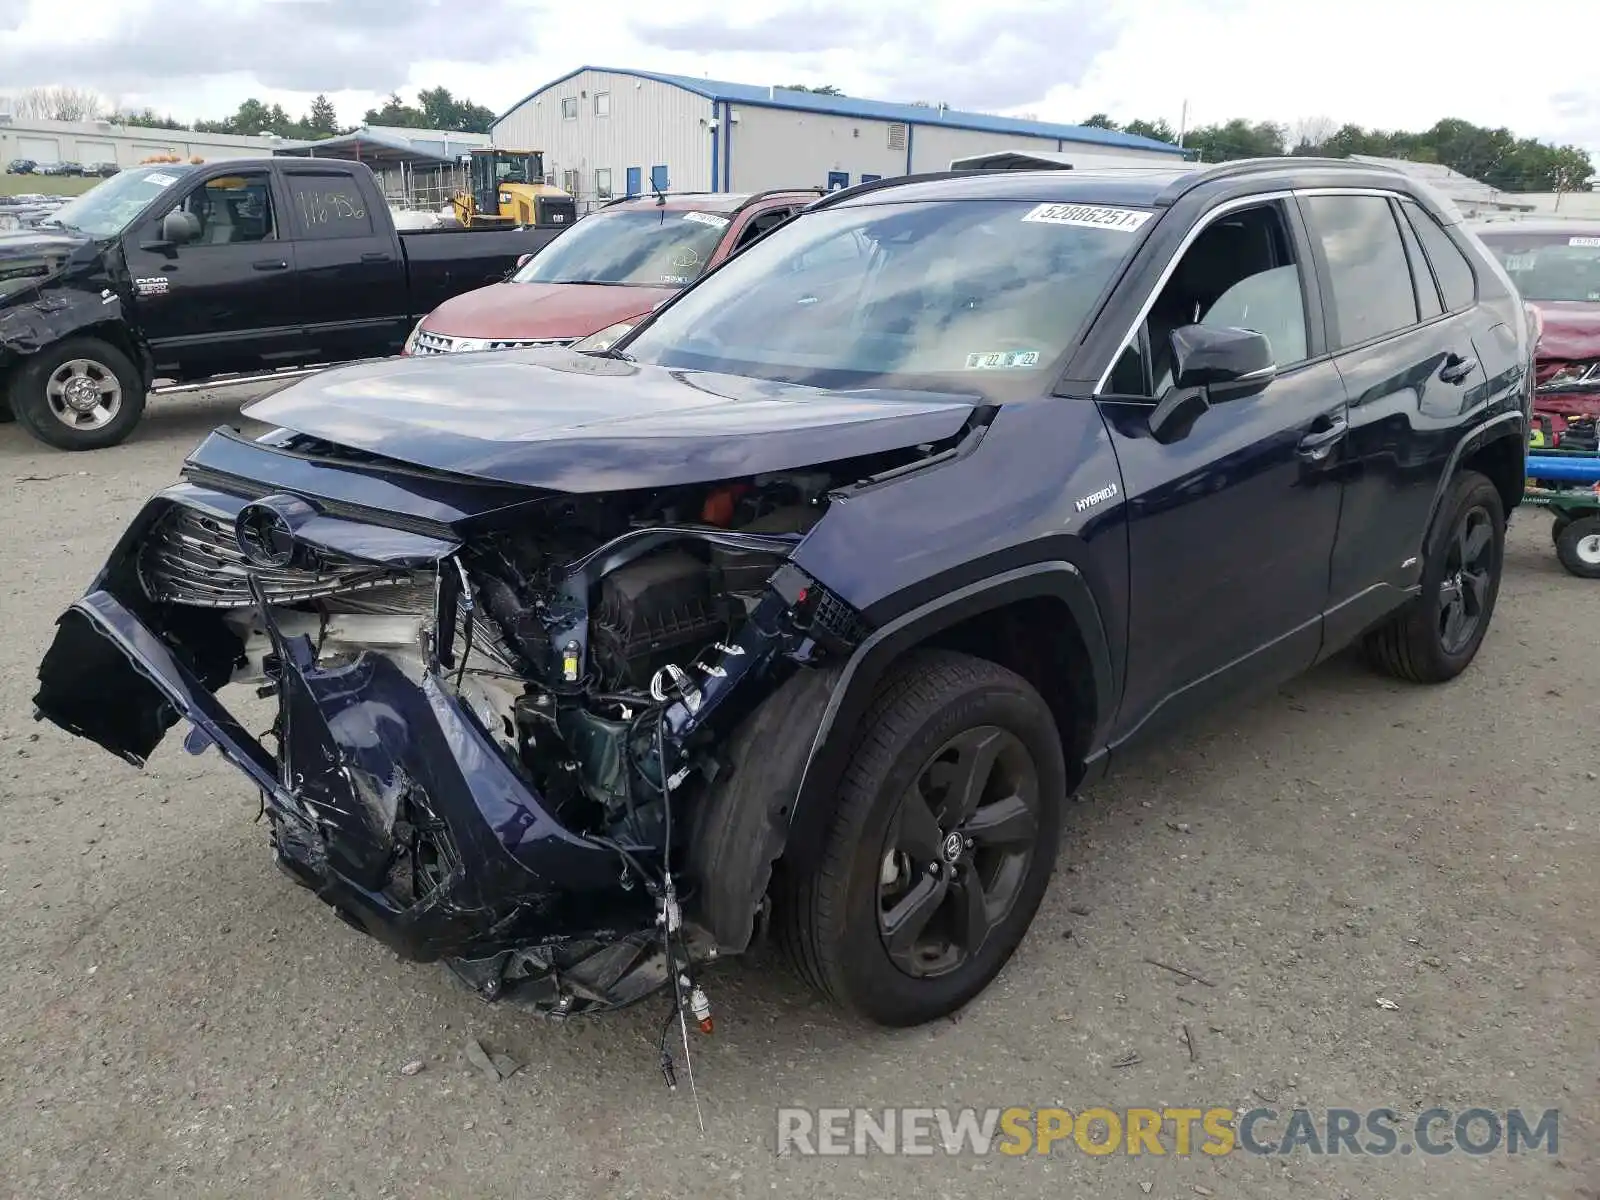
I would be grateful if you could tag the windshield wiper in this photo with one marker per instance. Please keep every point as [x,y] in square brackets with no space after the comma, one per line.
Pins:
[588,282]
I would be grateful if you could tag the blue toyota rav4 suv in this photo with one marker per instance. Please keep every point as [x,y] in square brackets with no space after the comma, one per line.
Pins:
[805,604]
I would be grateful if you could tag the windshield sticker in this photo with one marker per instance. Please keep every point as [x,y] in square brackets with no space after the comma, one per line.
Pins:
[1001,359]
[1520,262]
[1090,216]
[161,178]
[1584,241]
[679,279]
[706,219]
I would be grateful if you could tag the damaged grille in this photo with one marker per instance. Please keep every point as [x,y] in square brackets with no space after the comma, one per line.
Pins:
[191,557]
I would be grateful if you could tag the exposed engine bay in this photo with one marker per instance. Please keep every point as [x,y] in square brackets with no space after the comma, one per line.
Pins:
[604,645]
[570,643]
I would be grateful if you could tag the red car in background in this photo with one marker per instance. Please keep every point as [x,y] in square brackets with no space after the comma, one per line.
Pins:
[607,271]
[1555,263]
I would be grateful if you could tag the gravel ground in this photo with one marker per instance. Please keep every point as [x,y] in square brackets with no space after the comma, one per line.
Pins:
[177,1019]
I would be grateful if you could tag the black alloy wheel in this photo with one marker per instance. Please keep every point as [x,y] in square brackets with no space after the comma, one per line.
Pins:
[1464,592]
[1437,633]
[957,851]
[939,848]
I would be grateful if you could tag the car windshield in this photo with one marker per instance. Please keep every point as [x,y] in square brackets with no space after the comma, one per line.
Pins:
[1549,266]
[655,247]
[106,208]
[964,294]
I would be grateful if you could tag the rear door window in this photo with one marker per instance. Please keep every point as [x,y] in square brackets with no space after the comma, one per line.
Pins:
[1368,274]
[326,204]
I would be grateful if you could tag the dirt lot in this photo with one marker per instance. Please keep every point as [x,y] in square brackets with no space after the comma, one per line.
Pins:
[177,1019]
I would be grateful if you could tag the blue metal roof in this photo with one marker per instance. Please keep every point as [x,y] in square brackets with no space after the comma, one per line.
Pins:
[881,110]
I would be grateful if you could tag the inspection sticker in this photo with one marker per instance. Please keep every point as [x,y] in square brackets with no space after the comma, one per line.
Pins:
[164,180]
[1000,359]
[1584,241]
[1091,216]
[706,218]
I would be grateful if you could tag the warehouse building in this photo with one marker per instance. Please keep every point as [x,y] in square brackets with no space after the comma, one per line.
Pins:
[611,132]
[46,142]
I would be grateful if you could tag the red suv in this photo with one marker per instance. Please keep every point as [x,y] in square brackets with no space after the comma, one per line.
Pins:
[606,272]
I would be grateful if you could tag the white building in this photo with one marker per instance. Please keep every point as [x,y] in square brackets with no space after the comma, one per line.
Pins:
[611,132]
[126,145]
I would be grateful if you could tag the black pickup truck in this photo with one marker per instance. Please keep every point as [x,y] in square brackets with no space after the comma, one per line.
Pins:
[185,273]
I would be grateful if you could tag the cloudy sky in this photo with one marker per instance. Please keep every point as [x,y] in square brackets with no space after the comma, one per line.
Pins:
[1386,63]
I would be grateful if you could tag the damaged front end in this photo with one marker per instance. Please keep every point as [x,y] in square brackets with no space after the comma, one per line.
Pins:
[547,739]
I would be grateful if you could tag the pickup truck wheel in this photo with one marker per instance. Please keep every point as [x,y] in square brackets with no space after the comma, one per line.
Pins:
[1434,638]
[5,411]
[941,848]
[1579,547]
[81,394]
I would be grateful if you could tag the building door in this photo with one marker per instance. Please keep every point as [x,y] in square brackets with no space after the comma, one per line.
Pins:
[658,179]
[635,180]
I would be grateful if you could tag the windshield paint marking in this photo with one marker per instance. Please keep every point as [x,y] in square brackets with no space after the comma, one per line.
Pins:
[706,218]
[1091,216]
[1583,241]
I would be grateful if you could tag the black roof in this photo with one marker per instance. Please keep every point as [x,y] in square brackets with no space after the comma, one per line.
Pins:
[1154,186]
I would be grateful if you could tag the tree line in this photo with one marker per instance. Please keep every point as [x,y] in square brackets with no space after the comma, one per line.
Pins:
[436,108]
[1496,157]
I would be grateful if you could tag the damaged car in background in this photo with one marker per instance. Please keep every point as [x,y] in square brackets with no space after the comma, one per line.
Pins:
[805,606]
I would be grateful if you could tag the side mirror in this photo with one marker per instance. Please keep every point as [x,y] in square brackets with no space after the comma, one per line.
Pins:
[1210,365]
[179,227]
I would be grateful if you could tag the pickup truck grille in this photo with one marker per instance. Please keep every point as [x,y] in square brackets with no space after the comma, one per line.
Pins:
[192,558]
[439,343]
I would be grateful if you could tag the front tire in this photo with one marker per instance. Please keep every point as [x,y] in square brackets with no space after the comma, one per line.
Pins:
[1434,637]
[940,851]
[80,394]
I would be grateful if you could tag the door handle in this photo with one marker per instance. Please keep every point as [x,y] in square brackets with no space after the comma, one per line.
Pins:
[270,264]
[377,256]
[1317,445]
[1456,368]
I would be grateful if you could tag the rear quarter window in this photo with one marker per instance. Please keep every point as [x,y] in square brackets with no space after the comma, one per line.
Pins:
[1451,268]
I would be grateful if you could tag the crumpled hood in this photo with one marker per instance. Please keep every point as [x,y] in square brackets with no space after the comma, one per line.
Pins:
[31,256]
[541,310]
[1571,332]
[580,423]
[25,245]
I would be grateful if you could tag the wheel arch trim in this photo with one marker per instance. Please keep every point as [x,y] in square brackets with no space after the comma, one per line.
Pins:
[871,660]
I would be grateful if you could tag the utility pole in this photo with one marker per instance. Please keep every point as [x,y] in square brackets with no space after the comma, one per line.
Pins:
[1183,123]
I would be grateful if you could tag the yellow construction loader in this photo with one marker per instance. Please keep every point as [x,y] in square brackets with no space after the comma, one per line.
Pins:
[507,188]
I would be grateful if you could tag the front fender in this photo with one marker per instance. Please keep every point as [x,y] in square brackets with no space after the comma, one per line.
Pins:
[859,679]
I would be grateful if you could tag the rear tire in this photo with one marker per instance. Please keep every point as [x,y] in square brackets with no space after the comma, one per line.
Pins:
[1434,637]
[940,851]
[1578,547]
[80,394]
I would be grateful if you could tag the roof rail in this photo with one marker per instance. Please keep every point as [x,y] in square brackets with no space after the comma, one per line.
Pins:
[1210,173]
[755,196]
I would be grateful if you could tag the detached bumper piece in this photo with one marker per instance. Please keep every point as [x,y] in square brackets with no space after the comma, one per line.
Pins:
[386,798]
